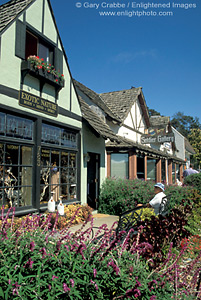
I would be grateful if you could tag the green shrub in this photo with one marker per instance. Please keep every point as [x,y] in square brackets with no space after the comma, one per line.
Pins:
[182,195]
[118,195]
[193,180]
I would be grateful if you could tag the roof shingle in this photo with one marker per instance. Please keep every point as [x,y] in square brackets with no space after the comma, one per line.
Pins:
[10,10]
[96,99]
[120,102]
[96,123]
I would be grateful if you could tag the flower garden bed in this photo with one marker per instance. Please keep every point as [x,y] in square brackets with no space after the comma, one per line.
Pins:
[36,265]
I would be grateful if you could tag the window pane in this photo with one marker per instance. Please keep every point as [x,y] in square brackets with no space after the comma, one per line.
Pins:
[19,127]
[50,134]
[31,45]
[151,169]
[58,175]
[43,52]
[119,165]
[16,176]
[2,123]
[163,170]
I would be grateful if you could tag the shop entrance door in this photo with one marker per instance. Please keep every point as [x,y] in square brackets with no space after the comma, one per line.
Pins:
[93,174]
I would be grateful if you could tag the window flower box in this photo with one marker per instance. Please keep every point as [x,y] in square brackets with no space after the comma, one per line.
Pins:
[43,71]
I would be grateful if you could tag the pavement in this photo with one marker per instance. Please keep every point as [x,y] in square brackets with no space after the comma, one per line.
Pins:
[98,220]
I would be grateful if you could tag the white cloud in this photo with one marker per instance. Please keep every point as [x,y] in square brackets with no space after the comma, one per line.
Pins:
[127,57]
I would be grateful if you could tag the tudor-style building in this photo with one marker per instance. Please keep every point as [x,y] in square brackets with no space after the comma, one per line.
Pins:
[40,117]
[126,115]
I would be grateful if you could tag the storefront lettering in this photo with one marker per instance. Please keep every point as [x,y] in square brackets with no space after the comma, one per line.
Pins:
[37,103]
[157,139]
[30,98]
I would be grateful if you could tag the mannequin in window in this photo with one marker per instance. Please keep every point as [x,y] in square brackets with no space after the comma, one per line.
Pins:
[55,181]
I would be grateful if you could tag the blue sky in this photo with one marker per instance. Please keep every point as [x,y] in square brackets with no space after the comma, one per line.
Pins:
[161,54]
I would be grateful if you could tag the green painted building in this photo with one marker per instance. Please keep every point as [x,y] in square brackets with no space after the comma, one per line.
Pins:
[40,116]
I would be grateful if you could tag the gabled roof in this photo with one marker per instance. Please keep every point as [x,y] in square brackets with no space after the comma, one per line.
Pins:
[10,10]
[100,127]
[120,102]
[159,121]
[96,99]
[188,147]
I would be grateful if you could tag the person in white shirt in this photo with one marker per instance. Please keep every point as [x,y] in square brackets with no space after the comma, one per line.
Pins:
[159,195]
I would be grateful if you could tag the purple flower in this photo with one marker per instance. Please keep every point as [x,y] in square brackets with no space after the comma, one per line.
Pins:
[49,286]
[115,268]
[29,264]
[58,245]
[43,251]
[53,277]
[15,290]
[95,273]
[72,282]
[95,284]
[32,246]
[65,288]
[153,298]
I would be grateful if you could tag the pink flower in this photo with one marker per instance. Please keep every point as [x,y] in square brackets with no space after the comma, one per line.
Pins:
[65,288]
[43,251]
[32,246]
[95,273]
[53,277]
[72,282]
[29,264]
[15,290]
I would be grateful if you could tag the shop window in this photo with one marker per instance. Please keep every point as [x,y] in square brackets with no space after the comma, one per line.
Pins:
[16,127]
[58,166]
[140,167]
[119,165]
[151,169]
[58,175]
[177,172]
[16,161]
[58,136]
[163,171]
[15,175]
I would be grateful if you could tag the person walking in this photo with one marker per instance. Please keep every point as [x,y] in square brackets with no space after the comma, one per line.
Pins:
[189,171]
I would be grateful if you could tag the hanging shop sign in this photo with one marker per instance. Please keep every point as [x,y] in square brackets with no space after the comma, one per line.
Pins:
[157,136]
[37,103]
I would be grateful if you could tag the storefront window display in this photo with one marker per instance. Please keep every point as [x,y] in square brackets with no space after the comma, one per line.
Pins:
[58,166]
[16,159]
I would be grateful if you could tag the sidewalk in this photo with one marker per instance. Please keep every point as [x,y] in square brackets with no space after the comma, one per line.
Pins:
[98,220]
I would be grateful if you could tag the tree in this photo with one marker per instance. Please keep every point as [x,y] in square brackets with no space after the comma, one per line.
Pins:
[153,112]
[184,124]
[195,140]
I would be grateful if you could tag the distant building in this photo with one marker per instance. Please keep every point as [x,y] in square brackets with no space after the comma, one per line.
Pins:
[128,155]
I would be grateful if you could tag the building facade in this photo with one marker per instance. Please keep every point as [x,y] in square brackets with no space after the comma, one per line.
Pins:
[40,116]
[133,154]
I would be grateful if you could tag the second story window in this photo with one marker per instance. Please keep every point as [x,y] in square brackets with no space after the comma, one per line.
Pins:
[35,46]
[33,43]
